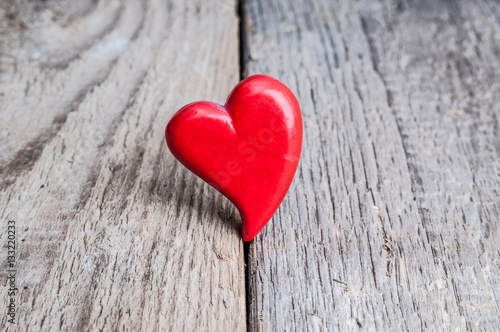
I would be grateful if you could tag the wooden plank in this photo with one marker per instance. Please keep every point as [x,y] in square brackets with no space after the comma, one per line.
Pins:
[392,220]
[112,233]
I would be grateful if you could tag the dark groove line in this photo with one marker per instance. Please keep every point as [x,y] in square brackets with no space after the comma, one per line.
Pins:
[243,49]
[248,298]
[243,60]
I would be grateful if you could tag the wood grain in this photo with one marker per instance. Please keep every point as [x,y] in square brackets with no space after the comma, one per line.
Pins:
[112,232]
[392,222]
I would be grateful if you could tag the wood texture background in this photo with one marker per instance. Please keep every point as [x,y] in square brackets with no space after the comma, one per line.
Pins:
[392,222]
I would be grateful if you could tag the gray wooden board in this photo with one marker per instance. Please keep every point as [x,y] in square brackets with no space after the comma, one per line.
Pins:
[392,222]
[112,233]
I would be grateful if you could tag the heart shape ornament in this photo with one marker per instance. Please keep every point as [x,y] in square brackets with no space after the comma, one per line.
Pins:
[248,149]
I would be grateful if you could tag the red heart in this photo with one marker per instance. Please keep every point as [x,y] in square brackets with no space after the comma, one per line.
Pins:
[248,149]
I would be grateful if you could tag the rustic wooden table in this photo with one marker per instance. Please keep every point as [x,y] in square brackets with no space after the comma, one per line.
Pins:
[391,223]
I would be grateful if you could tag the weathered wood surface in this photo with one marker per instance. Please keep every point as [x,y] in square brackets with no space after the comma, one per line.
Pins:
[112,233]
[392,222]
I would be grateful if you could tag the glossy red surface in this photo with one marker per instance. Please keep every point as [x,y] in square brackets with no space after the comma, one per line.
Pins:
[248,149]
